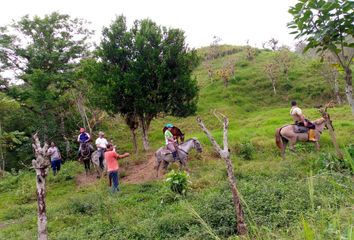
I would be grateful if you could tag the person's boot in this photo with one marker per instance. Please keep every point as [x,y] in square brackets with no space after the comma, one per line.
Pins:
[312,135]
[174,155]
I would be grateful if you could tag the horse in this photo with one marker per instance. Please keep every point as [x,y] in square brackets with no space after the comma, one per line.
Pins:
[287,134]
[165,156]
[95,159]
[176,132]
[85,155]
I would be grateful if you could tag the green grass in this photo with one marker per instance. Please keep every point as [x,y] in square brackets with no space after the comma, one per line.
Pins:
[296,198]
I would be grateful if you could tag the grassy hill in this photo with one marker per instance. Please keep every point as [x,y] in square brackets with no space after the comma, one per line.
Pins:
[309,195]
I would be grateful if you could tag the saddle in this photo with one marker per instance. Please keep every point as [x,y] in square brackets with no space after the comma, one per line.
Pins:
[165,151]
[300,129]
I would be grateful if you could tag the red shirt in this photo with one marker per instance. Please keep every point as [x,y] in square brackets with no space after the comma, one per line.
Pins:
[111,158]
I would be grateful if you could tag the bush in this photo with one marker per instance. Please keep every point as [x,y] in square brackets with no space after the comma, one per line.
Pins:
[246,150]
[178,181]
[84,206]
[329,161]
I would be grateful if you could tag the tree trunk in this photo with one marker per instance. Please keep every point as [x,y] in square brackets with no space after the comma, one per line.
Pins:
[135,144]
[41,164]
[336,90]
[273,84]
[349,87]
[2,167]
[225,154]
[42,217]
[145,124]
[82,111]
[62,129]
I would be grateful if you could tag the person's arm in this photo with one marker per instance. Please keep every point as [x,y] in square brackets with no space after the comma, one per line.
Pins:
[123,155]
[88,137]
[59,154]
[49,152]
[97,143]
[78,138]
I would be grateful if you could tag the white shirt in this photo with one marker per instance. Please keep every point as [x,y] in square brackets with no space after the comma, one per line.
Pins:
[296,113]
[101,143]
[54,153]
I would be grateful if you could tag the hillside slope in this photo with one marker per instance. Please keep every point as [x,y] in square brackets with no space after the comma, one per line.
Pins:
[310,193]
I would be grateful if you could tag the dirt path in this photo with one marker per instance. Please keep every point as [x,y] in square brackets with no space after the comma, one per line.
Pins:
[82,180]
[142,172]
[135,174]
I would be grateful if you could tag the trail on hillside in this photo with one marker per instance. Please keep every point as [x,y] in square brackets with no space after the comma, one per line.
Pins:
[135,174]
[143,172]
[83,180]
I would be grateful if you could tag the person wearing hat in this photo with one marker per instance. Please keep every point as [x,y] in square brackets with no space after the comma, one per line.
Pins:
[83,137]
[299,118]
[170,141]
[101,144]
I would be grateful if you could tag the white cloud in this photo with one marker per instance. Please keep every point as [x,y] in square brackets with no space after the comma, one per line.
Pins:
[234,21]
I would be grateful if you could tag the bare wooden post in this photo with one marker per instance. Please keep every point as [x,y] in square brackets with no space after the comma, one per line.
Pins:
[325,115]
[41,164]
[225,155]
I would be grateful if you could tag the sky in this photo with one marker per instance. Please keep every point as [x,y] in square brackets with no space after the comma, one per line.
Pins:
[234,21]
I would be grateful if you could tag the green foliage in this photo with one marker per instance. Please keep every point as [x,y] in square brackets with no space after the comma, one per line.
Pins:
[323,24]
[178,181]
[137,90]
[246,150]
[331,162]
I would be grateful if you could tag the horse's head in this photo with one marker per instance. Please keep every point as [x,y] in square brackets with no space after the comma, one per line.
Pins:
[182,138]
[197,145]
[321,124]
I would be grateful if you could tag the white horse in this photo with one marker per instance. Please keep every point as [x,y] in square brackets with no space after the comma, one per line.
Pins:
[165,156]
[95,159]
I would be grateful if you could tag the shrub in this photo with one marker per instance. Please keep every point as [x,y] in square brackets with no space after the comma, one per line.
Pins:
[178,181]
[331,162]
[246,150]
[84,206]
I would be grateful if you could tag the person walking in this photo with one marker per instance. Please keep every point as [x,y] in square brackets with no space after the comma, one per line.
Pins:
[55,158]
[112,164]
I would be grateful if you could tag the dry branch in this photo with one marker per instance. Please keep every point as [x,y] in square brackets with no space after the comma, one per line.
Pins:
[225,155]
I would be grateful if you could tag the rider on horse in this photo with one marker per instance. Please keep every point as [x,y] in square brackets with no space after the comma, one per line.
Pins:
[300,120]
[84,137]
[101,144]
[170,141]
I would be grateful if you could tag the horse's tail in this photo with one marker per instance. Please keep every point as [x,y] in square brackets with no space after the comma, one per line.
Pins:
[278,138]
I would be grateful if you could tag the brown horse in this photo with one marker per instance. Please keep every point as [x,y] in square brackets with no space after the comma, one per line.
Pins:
[287,134]
[177,134]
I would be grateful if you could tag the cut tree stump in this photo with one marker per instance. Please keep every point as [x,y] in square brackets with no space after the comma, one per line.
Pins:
[225,155]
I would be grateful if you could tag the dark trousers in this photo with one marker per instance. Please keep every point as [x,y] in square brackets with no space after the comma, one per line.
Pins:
[114,177]
[310,125]
[56,166]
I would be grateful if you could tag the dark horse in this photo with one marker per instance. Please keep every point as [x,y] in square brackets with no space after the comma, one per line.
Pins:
[85,156]
[177,134]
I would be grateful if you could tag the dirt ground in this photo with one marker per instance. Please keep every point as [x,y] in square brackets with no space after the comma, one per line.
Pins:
[135,174]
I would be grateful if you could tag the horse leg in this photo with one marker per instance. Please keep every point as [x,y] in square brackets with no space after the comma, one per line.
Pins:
[292,142]
[165,165]
[157,167]
[317,145]
[283,148]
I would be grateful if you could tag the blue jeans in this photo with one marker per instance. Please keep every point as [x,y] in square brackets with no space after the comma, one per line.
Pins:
[114,176]
[56,165]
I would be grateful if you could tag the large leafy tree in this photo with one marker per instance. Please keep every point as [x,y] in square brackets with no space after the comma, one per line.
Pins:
[43,52]
[328,25]
[143,72]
